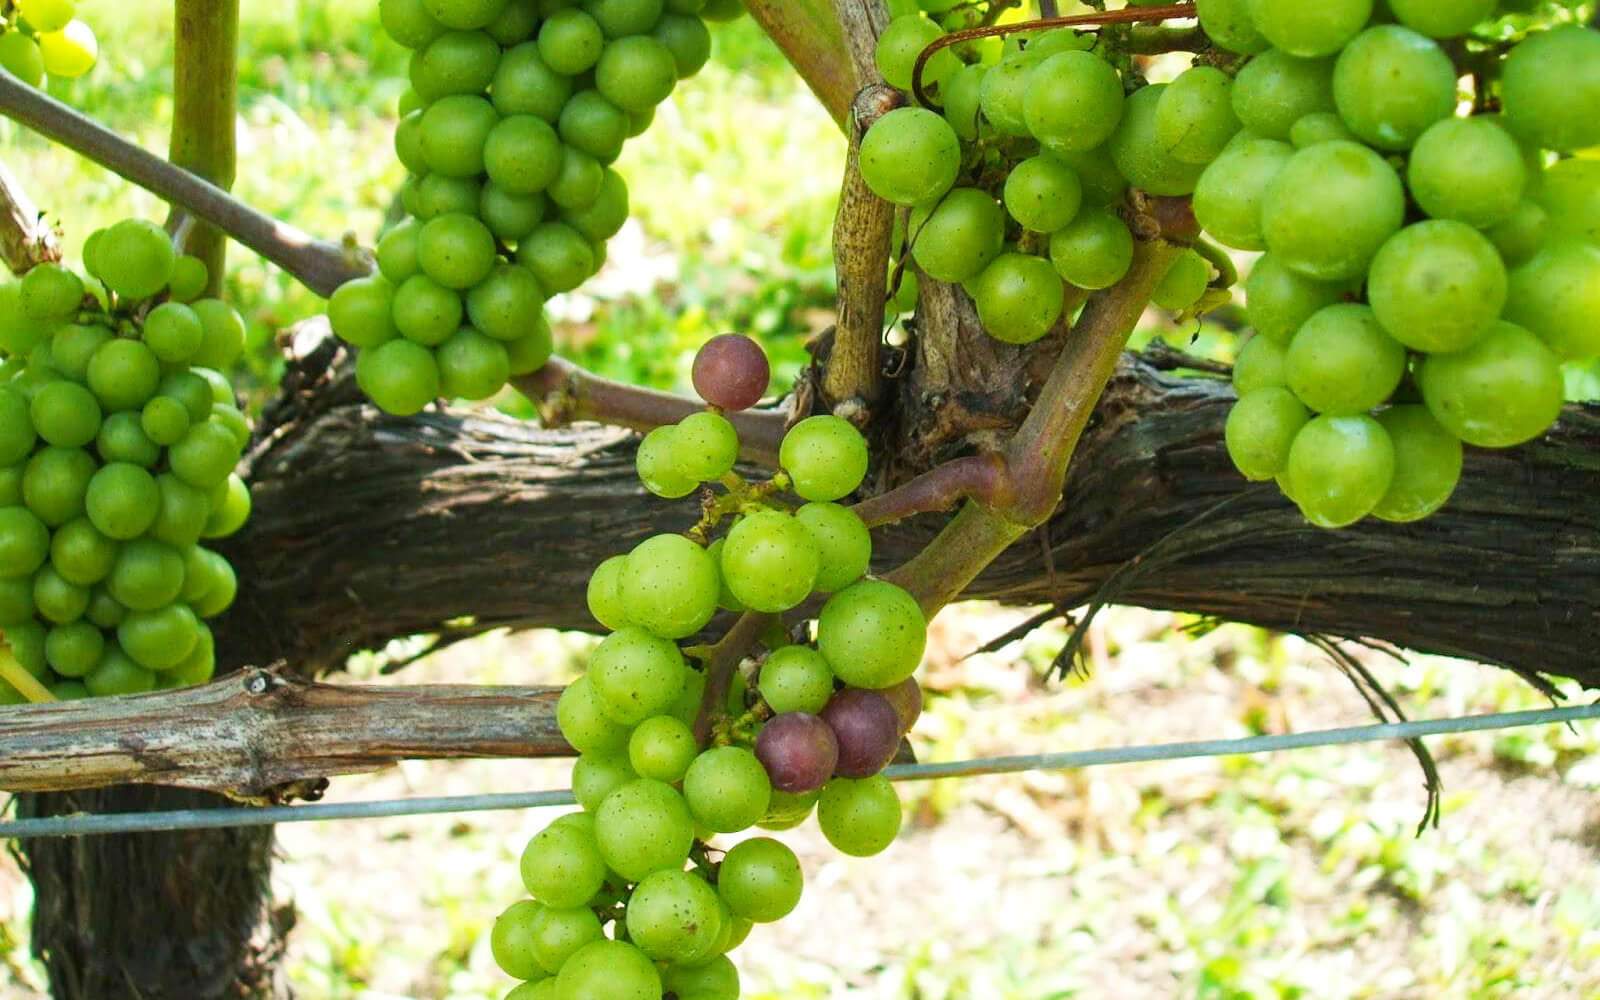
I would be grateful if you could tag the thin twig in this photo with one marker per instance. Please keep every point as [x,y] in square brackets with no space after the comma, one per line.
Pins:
[26,239]
[721,664]
[974,477]
[319,265]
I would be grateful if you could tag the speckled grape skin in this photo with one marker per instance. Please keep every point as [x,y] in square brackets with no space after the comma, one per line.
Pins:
[760,879]
[636,674]
[769,561]
[609,970]
[727,789]
[872,634]
[669,586]
[643,827]
[859,818]
[584,723]
[673,916]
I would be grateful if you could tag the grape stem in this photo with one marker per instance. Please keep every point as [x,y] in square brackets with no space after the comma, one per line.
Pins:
[722,661]
[205,100]
[565,392]
[26,240]
[981,478]
[11,672]
[319,265]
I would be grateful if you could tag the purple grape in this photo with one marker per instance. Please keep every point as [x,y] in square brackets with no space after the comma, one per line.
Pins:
[798,750]
[731,371]
[867,728]
[906,697]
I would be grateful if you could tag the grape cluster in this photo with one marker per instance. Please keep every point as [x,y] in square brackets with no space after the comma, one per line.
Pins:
[804,726]
[44,37]
[118,440]
[516,111]
[1426,270]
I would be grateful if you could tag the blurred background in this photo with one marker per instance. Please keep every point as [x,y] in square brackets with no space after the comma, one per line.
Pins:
[1280,876]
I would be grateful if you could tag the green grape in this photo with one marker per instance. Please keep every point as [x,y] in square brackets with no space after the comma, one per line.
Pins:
[1310,29]
[618,18]
[657,468]
[524,84]
[75,649]
[46,15]
[146,575]
[1274,90]
[608,970]
[196,668]
[173,332]
[1340,467]
[1319,126]
[361,311]
[859,817]
[725,598]
[56,599]
[454,131]
[642,827]
[1194,117]
[189,279]
[842,542]
[69,691]
[522,154]
[570,41]
[73,345]
[722,10]
[760,880]
[689,41]
[426,312]
[24,542]
[602,218]
[208,453]
[11,485]
[160,639]
[1072,101]
[70,52]
[511,217]
[635,73]
[54,483]
[506,304]
[17,435]
[963,93]
[579,181]
[103,609]
[584,723]
[1550,88]
[825,457]
[135,258]
[438,195]
[408,22]
[1570,193]
[454,63]
[872,634]
[118,674]
[230,515]
[1042,193]
[562,867]
[224,334]
[1503,390]
[635,674]
[400,377]
[789,809]
[670,586]
[662,747]
[50,292]
[705,446]
[1330,208]
[1556,294]
[1228,24]
[456,250]
[1019,297]
[1341,361]
[902,41]
[471,365]
[1228,195]
[1260,430]
[80,553]
[558,255]
[1003,92]
[1278,300]
[795,679]
[1467,169]
[1441,18]
[673,916]
[1183,284]
[1437,285]
[511,940]
[516,23]
[593,125]
[27,645]
[717,979]
[123,374]
[558,932]
[769,562]
[233,421]
[727,789]
[594,777]
[534,989]
[16,598]
[1427,464]
[222,586]
[910,156]
[122,439]
[1391,83]
[408,143]
[18,333]
[65,414]
[1137,150]
[1093,251]
[465,13]
[19,56]
[958,237]
[1260,365]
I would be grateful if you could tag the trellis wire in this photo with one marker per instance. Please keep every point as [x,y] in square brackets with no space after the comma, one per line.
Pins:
[199,819]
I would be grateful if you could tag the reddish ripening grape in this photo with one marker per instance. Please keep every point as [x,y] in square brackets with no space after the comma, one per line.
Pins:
[906,698]
[867,728]
[731,371]
[798,750]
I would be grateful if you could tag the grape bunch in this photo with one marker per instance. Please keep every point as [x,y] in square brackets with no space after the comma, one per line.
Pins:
[1429,261]
[118,440]
[516,111]
[805,726]
[45,37]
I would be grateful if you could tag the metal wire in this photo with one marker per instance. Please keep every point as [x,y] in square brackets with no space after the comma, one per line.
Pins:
[198,819]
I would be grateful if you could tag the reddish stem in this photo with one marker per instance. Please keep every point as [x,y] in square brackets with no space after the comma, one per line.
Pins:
[976,477]
[724,660]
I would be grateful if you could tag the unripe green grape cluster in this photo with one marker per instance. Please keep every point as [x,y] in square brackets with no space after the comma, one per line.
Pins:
[805,727]
[118,441]
[1426,269]
[40,38]
[516,112]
